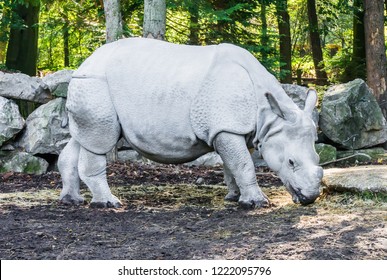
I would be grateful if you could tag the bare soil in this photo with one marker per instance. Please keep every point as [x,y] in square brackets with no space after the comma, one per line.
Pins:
[178,212]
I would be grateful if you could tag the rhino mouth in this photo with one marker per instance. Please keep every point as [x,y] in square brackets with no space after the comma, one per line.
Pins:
[298,197]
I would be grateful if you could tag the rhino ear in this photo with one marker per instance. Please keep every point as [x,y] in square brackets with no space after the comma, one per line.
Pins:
[310,101]
[274,105]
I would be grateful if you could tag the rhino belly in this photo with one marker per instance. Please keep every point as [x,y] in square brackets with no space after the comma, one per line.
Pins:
[161,139]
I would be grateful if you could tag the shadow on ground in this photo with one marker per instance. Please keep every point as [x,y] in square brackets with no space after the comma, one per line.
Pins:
[186,221]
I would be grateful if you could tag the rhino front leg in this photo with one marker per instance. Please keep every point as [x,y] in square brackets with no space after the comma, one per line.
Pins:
[92,171]
[233,189]
[68,167]
[236,157]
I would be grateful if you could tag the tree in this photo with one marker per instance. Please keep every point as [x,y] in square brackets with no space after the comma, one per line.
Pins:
[66,38]
[113,20]
[316,43]
[22,51]
[154,19]
[376,51]
[194,24]
[356,68]
[285,40]
[5,11]
[264,35]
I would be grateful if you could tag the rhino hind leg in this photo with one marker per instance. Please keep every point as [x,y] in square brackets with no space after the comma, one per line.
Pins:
[94,124]
[68,167]
[237,160]
[92,171]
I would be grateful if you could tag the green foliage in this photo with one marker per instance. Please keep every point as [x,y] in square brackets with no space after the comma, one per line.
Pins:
[234,22]
[337,64]
[192,22]
[226,14]
[335,27]
[84,24]
[7,18]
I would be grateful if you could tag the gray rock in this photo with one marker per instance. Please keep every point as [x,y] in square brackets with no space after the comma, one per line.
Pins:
[298,95]
[129,155]
[359,179]
[327,153]
[24,87]
[23,162]
[44,133]
[58,82]
[11,121]
[209,159]
[350,116]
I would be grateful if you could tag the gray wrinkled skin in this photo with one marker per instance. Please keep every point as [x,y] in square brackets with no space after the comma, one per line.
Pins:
[175,103]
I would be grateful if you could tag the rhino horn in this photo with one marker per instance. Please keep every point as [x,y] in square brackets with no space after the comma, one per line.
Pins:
[310,101]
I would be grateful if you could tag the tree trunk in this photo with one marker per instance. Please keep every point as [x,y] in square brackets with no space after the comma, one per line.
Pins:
[194,25]
[285,41]
[154,19]
[315,42]
[66,36]
[376,51]
[113,20]
[22,51]
[264,36]
[356,68]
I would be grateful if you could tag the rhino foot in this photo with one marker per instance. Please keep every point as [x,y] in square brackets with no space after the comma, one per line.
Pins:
[254,204]
[232,196]
[261,202]
[71,200]
[112,203]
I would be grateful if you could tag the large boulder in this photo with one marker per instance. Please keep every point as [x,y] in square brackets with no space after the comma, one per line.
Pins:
[351,117]
[298,94]
[23,162]
[58,82]
[44,133]
[24,87]
[358,179]
[11,121]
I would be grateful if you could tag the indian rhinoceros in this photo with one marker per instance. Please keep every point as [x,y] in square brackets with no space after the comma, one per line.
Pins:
[174,103]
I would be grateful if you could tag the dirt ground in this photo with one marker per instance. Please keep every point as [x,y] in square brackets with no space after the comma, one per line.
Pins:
[178,212]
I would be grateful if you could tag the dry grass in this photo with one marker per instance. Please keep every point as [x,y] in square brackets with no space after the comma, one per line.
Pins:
[29,198]
[175,196]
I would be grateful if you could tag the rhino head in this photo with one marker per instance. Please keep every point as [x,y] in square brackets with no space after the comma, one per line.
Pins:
[288,148]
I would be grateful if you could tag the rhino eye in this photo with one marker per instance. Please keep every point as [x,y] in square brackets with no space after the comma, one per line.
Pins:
[291,162]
